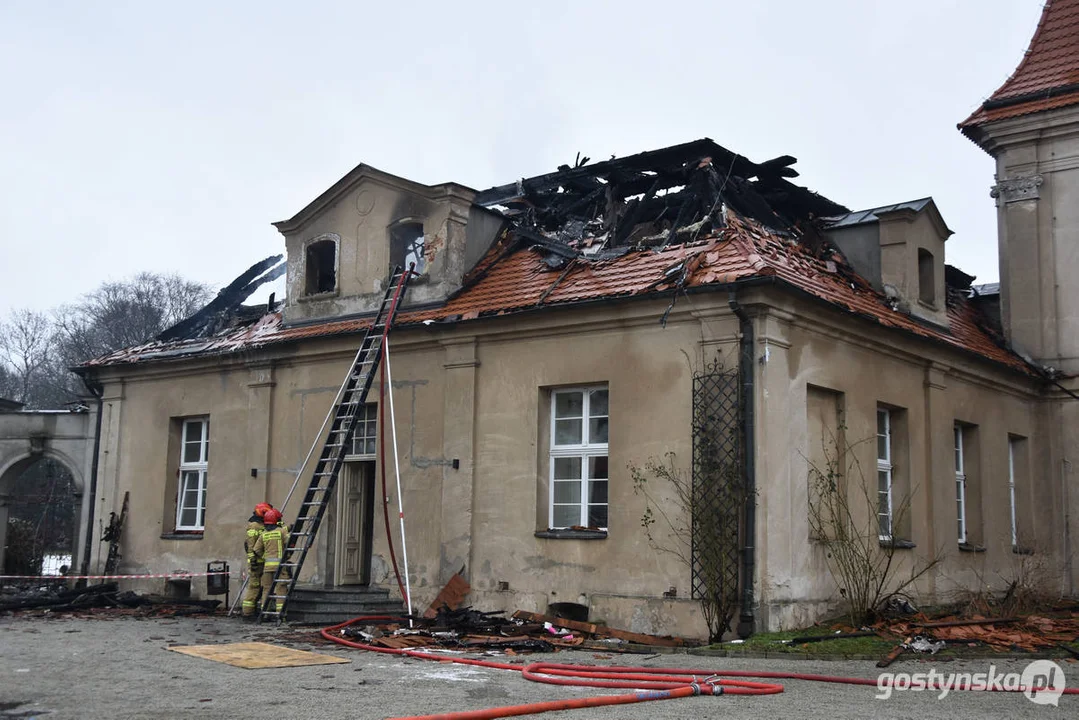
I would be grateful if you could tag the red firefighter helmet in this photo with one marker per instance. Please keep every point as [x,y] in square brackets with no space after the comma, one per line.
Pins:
[272,517]
[262,507]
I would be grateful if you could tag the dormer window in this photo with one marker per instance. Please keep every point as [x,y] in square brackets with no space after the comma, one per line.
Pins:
[927,283]
[407,246]
[321,265]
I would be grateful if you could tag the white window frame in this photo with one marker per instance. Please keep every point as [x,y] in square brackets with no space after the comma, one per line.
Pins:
[960,483]
[368,418]
[1011,490]
[584,450]
[884,465]
[199,468]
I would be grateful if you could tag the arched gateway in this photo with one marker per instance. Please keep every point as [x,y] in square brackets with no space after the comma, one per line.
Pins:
[65,436]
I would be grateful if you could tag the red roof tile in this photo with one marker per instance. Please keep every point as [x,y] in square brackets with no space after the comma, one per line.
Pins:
[1046,76]
[513,281]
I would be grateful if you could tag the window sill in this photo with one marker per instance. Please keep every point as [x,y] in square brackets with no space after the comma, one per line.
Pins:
[929,306]
[314,297]
[1021,550]
[970,547]
[898,544]
[572,534]
[183,535]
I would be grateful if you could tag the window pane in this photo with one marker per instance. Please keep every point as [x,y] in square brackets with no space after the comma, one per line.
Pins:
[597,430]
[882,481]
[567,432]
[882,447]
[192,442]
[187,518]
[597,403]
[369,448]
[567,468]
[567,492]
[568,404]
[567,515]
[597,491]
[885,526]
[597,516]
[882,422]
[597,467]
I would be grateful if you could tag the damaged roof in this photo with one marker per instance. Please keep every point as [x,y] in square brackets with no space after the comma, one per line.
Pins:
[690,218]
[655,198]
[1047,77]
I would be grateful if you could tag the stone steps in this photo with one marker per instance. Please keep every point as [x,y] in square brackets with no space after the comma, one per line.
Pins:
[329,606]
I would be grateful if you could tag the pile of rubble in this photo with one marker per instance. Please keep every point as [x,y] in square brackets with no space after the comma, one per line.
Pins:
[1031,633]
[466,629]
[57,598]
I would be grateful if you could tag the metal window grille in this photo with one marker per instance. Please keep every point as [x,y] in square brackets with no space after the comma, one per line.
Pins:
[718,484]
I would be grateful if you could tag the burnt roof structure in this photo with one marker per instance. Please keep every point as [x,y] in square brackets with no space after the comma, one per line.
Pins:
[653,199]
[694,217]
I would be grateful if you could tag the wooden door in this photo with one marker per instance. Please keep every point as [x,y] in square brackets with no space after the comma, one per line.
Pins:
[354,495]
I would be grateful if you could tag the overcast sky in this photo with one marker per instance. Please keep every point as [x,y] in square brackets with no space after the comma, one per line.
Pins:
[168,136]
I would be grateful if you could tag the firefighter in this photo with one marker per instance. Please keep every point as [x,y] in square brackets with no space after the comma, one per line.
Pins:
[270,546]
[253,593]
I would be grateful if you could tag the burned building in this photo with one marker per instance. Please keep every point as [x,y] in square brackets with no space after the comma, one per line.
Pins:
[567,329]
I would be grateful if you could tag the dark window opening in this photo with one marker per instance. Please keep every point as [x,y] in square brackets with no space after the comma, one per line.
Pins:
[569,611]
[406,246]
[321,267]
[926,277]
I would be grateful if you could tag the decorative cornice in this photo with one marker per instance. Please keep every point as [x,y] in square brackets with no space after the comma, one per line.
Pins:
[1015,189]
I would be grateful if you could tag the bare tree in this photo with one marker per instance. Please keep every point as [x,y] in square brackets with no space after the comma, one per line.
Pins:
[703,541]
[123,314]
[843,518]
[9,383]
[26,343]
[37,351]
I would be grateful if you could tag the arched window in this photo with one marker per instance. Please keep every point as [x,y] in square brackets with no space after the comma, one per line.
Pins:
[406,245]
[321,265]
[927,285]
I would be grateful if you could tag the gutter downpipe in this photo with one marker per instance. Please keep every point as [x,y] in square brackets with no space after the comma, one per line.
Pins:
[746,619]
[97,391]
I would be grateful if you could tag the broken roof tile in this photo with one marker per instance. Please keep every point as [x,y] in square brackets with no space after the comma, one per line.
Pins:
[519,281]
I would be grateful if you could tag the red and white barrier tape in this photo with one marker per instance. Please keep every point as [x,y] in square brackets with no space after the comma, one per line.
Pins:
[111,577]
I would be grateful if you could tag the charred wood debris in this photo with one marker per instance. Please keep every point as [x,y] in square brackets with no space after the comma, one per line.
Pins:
[105,598]
[227,309]
[466,629]
[675,195]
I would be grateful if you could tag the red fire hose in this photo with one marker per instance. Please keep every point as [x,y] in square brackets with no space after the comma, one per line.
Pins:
[650,683]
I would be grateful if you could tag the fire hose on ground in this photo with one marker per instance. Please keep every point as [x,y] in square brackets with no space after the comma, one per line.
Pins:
[648,683]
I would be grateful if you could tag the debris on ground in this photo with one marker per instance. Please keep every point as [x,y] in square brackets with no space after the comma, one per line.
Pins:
[56,598]
[922,644]
[1031,633]
[465,629]
[451,595]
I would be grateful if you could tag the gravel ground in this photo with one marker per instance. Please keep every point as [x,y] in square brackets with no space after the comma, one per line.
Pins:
[119,667]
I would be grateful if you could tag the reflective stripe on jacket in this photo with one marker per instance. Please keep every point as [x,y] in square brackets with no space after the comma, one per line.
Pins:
[271,544]
[254,530]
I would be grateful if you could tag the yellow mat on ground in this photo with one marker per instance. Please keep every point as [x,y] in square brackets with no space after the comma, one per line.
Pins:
[256,655]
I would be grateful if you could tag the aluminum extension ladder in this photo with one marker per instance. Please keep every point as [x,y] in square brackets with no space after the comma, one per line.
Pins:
[348,408]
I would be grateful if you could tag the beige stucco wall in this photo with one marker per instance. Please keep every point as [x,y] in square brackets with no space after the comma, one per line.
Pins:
[475,393]
[359,220]
[934,389]
[902,234]
[475,398]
